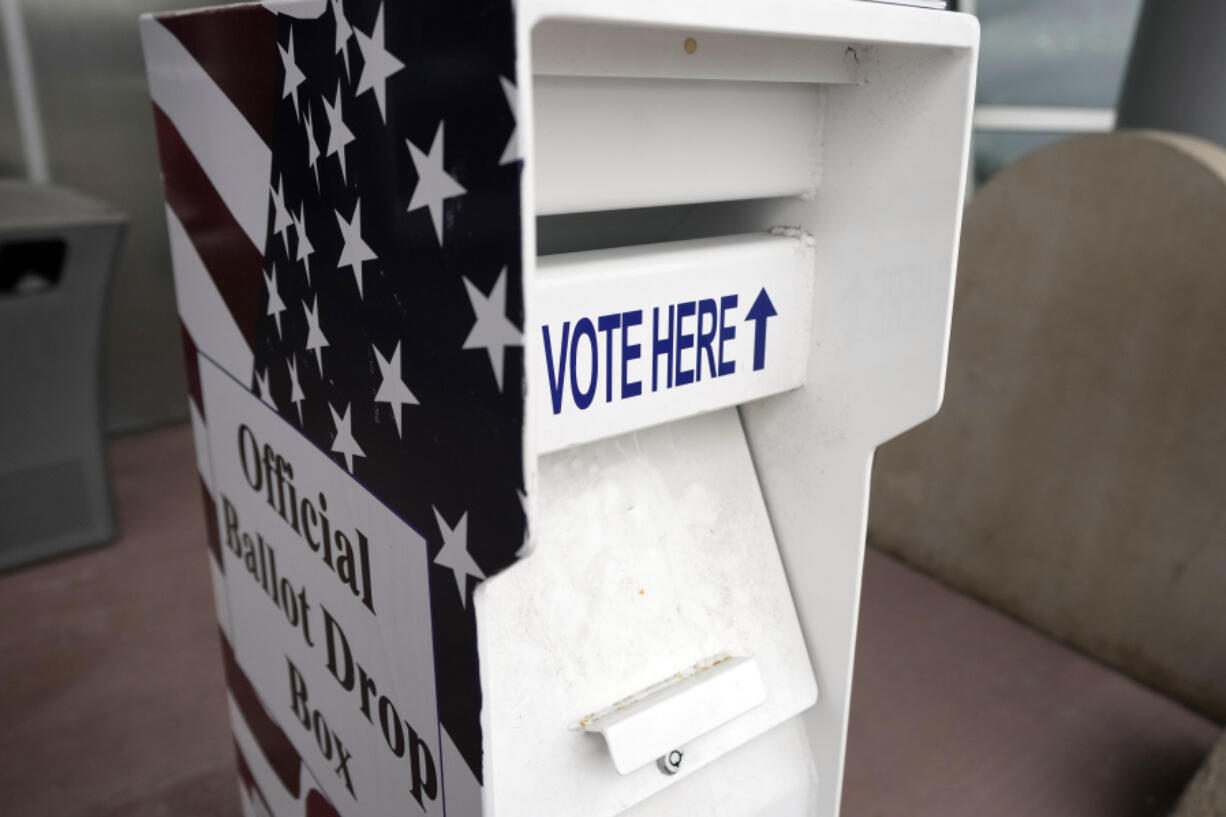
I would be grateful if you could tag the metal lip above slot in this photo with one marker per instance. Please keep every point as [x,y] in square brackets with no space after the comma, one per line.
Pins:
[611,143]
[630,116]
[632,337]
[571,47]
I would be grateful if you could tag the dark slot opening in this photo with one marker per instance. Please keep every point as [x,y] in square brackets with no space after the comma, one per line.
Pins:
[31,267]
[577,232]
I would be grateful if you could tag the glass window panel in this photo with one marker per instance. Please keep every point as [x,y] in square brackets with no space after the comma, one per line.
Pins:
[1054,52]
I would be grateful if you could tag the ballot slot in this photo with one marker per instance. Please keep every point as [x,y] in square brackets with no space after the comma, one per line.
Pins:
[607,229]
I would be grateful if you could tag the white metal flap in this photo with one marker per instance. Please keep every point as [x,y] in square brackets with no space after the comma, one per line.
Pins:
[666,716]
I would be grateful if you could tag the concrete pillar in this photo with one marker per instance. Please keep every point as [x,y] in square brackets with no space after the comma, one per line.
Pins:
[1176,70]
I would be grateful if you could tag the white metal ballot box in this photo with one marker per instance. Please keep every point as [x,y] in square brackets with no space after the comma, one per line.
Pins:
[537,355]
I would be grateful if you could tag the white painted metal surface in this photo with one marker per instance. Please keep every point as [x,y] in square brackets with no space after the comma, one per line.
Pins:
[654,552]
[771,775]
[655,723]
[637,336]
[605,143]
[874,171]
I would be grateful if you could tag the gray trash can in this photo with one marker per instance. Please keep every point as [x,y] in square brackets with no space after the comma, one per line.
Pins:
[56,253]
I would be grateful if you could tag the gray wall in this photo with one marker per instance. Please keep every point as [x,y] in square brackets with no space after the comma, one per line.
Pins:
[1074,477]
[99,130]
[10,141]
[1175,71]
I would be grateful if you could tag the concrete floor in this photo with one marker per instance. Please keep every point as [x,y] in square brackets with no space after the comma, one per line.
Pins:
[112,700]
[959,711]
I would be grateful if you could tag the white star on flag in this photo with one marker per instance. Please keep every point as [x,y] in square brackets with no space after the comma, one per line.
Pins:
[315,341]
[379,63]
[295,389]
[305,249]
[511,152]
[355,250]
[275,305]
[455,555]
[433,183]
[493,331]
[293,74]
[392,390]
[282,221]
[339,134]
[343,32]
[261,385]
[344,443]
[312,145]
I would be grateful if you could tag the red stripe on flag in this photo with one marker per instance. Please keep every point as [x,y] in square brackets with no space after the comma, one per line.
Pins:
[248,779]
[237,48]
[212,532]
[274,743]
[318,806]
[191,367]
[233,262]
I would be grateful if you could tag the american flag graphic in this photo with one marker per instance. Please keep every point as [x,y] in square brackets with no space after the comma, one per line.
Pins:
[343,197]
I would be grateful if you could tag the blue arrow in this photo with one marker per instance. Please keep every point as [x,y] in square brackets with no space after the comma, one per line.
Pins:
[761,310]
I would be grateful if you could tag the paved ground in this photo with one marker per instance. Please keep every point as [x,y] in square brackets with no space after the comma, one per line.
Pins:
[113,700]
[958,711]
[111,697]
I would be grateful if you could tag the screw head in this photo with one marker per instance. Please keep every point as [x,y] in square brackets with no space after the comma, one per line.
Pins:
[671,762]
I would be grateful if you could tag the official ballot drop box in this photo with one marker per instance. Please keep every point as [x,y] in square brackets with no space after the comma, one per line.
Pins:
[537,353]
